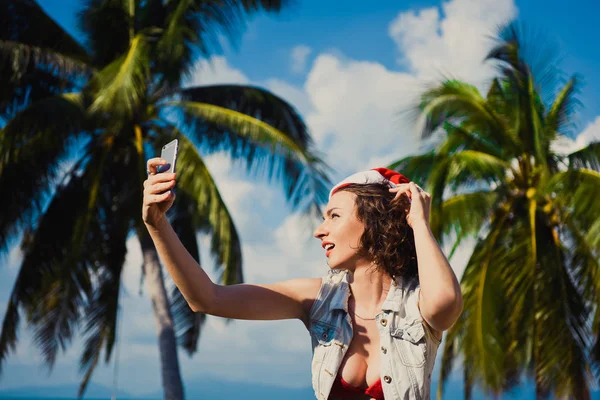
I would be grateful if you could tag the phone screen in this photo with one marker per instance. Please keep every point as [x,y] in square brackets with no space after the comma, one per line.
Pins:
[169,153]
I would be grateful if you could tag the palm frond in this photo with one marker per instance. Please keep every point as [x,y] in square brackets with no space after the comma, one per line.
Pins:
[120,87]
[52,285]
[178,42]
[465,214]
[523,53]
[595,351]
[263,148]
[22,21]
[463,138]
[416,168]
[189,29]
[561,357]
[51,297]
[211,213]
[584,253]
[559,117]
[101,319]
[72,263]
[450,99]
[227,17]
[455,173]
[533,131]
[484,342]
[32,147]
[69,283]
[36,85]
[69,245]
[588,157]
[10,326]
[496,98]
[470,166]
[574,192]
[456,100]
[152,13]
[33,65]
[17,58]
[255,102]
[105,25]
[116,206]
[436,185]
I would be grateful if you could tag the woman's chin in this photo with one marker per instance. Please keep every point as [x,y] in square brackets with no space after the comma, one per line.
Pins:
[334,265]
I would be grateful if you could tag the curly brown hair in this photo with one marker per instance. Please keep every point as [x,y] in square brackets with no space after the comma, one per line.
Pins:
[388,240]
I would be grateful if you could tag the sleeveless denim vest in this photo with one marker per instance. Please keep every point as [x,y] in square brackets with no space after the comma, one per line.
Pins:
[407,346]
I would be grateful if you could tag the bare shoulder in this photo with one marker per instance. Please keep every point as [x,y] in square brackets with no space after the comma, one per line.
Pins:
[282,300]
[434,332]
[305,291]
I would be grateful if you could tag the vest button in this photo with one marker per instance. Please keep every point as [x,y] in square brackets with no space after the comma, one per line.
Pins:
[384,322]
[383,349]
[324,336]
[387,379]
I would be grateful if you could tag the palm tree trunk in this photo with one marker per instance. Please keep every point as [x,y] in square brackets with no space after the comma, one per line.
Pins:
[171,376]
[467,383]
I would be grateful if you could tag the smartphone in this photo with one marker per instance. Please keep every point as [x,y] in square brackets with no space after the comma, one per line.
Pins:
[169,153]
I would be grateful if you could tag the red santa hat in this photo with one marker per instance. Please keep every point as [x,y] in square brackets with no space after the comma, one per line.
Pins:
[375,175]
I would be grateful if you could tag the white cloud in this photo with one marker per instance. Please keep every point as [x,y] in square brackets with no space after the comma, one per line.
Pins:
[294,235]
[216,70]
[590,134]
[237,191]
[455,43]
[356,111]
[291,252]
[357,114]
[299,55]
[295,96]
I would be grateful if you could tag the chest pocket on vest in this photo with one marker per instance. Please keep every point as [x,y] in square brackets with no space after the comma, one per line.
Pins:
[324,335]
[410,343]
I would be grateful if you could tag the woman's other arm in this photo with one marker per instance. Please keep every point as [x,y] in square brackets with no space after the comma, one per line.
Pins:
[440,300]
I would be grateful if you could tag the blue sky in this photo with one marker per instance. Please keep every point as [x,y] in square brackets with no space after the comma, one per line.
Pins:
[349,67]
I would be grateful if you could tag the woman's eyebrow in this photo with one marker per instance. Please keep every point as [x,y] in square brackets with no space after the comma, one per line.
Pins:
[328,213]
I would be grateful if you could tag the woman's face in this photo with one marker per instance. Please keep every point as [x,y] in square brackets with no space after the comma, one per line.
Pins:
[341,231]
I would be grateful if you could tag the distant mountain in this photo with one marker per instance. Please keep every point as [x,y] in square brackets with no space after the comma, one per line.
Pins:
[66,391]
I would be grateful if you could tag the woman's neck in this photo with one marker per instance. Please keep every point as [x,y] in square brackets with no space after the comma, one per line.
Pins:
[369,288]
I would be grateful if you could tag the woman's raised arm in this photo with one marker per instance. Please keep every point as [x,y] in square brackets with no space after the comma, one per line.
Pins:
[283,300]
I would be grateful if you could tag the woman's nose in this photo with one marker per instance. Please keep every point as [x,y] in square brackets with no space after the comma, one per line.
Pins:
[320,231]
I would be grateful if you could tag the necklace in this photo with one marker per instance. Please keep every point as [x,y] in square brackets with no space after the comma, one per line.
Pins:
[364,319]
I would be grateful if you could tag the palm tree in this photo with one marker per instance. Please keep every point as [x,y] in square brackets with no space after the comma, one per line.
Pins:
[532,284]
[78,123]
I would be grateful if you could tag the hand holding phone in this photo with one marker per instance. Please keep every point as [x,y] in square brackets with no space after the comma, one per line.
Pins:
[158,188]
[169,153]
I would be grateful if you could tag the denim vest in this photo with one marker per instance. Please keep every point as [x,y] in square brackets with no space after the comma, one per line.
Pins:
[407,346]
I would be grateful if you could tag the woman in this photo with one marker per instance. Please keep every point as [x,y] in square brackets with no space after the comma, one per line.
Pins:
[376,320]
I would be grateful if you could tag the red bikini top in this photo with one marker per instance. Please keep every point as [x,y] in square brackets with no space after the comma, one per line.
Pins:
[343,390]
